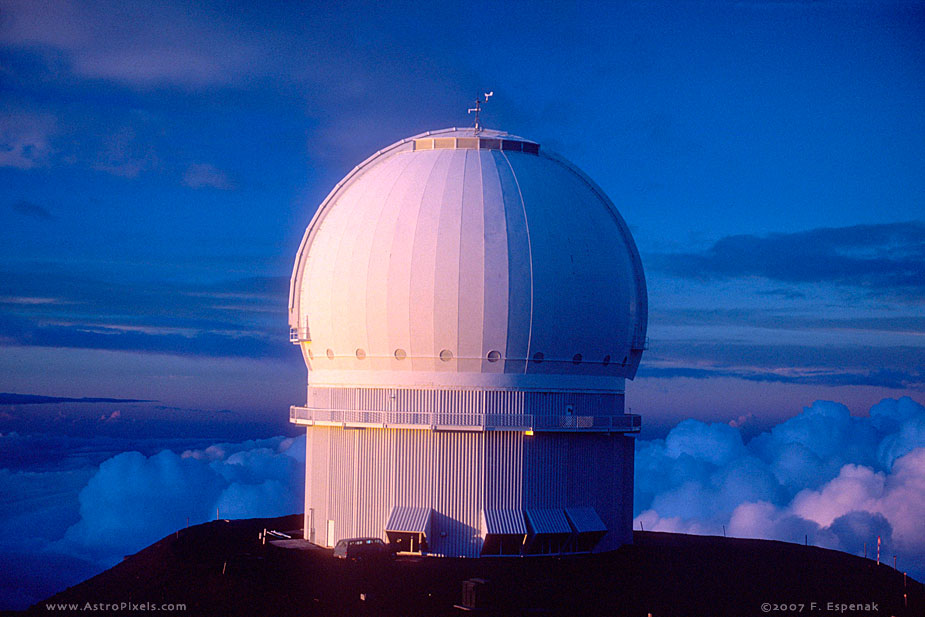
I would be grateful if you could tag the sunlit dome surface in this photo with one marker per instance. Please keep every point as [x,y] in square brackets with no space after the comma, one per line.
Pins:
[471,259]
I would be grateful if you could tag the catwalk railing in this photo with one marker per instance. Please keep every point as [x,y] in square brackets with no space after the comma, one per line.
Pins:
[624,423]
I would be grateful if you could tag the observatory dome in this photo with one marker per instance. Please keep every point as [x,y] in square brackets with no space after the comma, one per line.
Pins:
[464,258]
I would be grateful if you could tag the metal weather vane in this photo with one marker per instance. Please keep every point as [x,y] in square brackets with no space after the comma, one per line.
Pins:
[478,108]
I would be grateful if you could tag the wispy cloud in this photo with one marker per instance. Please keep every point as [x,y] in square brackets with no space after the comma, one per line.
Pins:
[203,175]
[890,379]
[9,398]
[122,153]
[771,318]
[893,367]
[243,318]
[888,258]
[28,208]
[25,139]
[201,343]
[134,43]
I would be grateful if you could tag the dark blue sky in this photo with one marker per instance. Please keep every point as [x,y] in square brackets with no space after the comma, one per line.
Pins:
[160,161]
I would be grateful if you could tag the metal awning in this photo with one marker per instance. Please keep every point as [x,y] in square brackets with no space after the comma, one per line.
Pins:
[585,520]
[503,522]
[548,521]
[409,519]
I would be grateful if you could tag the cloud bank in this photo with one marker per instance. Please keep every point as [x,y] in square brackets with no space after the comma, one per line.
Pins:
[134,500]
[822,477]
[884,258]
[83,520]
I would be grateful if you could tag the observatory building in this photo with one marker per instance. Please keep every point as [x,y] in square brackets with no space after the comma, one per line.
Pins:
[469,307]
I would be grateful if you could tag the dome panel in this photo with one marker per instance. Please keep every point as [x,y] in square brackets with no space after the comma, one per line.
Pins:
[582,273]
[472,281]
[449,253]
[421,299]
[520,267]
[497,274]
[446,282]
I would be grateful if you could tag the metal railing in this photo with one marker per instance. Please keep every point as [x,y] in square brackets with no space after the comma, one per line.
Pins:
[625,423]
[297,335]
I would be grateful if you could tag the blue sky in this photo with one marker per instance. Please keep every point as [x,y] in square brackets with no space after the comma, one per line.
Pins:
[160,161]
[159,164]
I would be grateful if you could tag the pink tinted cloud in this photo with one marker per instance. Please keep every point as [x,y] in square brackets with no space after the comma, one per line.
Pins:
[823,476]
[137,43]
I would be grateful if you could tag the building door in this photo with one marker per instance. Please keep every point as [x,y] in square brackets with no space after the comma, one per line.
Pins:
[330,533]
[311,525]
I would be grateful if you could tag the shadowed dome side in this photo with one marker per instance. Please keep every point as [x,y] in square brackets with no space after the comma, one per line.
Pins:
[456,258]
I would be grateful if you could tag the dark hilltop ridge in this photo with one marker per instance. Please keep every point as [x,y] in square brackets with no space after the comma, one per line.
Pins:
[221,569]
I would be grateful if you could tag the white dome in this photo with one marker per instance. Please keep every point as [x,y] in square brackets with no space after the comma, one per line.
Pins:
[455,258]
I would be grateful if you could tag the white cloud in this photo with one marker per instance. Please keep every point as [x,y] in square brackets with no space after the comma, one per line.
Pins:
[824,476]
[855,488]
[87,518]
[134,500]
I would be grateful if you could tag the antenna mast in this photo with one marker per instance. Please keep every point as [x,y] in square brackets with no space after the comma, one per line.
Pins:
[478,108]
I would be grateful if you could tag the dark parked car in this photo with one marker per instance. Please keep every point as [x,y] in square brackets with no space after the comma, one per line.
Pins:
[360,549]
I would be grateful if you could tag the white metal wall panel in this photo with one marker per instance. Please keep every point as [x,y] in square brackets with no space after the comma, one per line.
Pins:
[407,192]
[503,521]
[497,274]
[409,519]
[563,470]
[309,521]
[413,302]
[520,268]
[318,470]
[537,403]
[419,308]
[447,272]
[472,275]
[579,276]
[503,470]
[358,476]
[350,263]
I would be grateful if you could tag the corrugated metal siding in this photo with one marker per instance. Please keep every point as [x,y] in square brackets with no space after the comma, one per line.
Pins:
[503,521]
[576,403]
[466,401]
[308,520]
[564,470]
[503,471]
[409,519]
[456,483]
[585,520]
[547,520]
[358,476]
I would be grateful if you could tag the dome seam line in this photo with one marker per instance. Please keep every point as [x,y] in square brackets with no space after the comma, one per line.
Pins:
[523,207]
